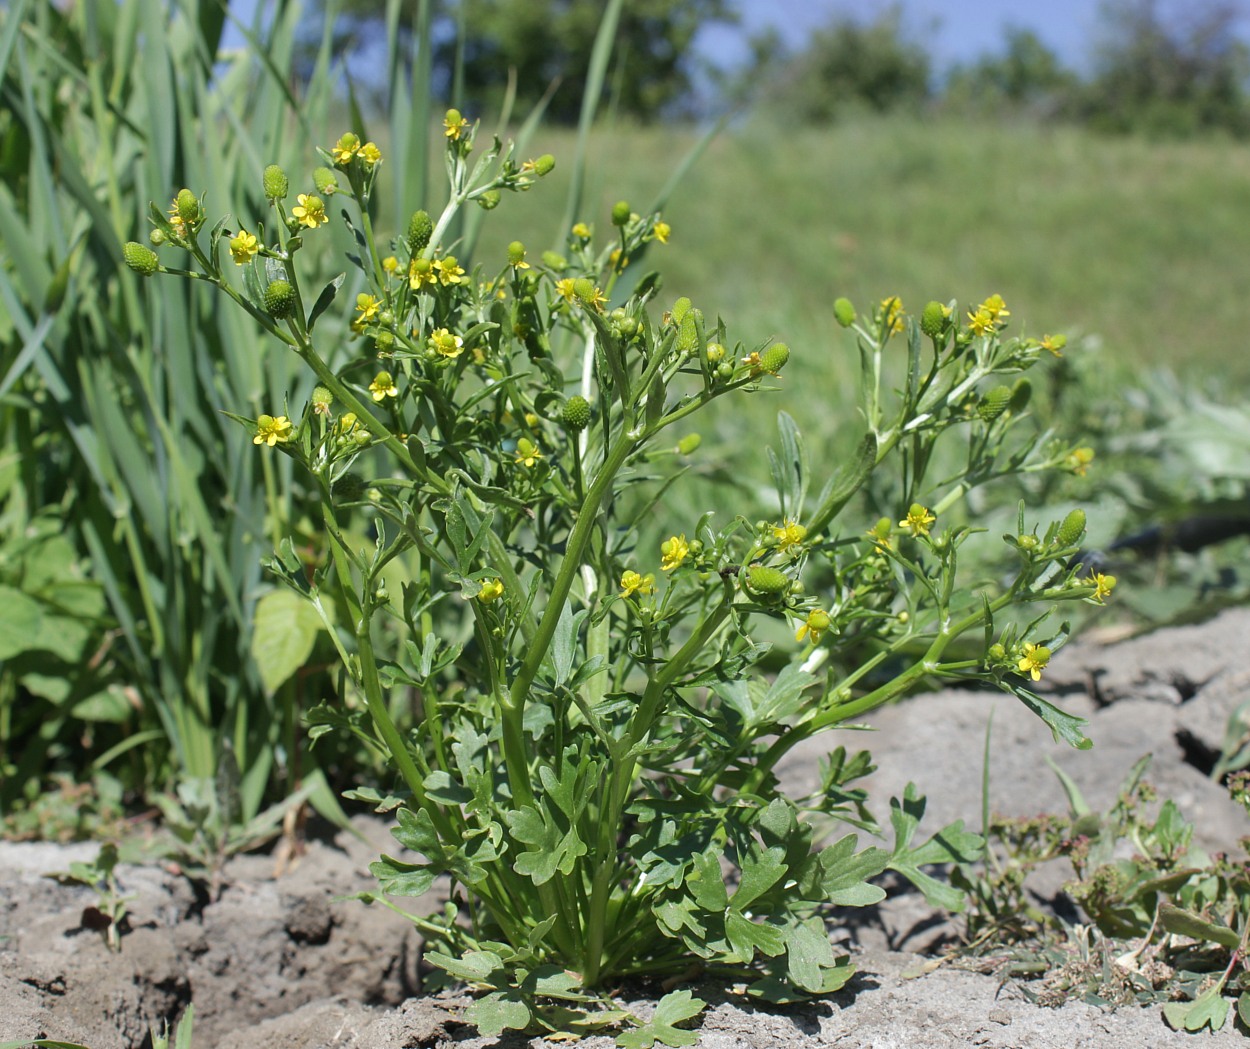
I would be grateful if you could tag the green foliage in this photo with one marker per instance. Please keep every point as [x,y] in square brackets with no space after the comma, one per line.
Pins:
[847,66]
[99,876]
[1167,923]
[1168,72]
[591,754]
[1026,76]
[182,1037]
[498,53]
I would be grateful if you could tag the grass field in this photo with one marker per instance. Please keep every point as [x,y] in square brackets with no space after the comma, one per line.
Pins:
[1140,243]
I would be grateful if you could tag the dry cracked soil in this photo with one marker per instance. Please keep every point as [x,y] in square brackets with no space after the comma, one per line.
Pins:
[283,962]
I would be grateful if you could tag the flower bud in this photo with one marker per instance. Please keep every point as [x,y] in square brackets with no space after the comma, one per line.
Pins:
[420,228]
[156,237]
[275,182]
[324,180]
[544,165]
[688,444]
[767,581]
[933,319]
[994,403]
[140,258]
[715,352]
[489,200]
[280,299]
[844,312]
[1071,530]
[773,359]
[620,213]
[576,414]
[555,262]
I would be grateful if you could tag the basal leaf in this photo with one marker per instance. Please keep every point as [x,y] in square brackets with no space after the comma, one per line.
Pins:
[674,1008]
[284,631]
[499,1011]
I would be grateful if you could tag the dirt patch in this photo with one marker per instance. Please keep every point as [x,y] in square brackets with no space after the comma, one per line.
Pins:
[281,961]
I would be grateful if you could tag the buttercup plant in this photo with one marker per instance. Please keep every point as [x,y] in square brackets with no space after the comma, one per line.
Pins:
[597,740]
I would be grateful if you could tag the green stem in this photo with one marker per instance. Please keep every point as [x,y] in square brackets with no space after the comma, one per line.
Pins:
[514,705]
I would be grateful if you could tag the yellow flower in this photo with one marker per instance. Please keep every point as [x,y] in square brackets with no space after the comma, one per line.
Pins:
[673,551]
[1078,460]
[367,306]
[617,261]
[444,343]
[311,211]
[421,272]
[815,626]
[892,315]
[918,520]
[1102,584]
[1034,660]
[789,534]
[996,308]
[370,154]
[581,230]
[527,453]
[1054,343]
[752,361]
[391,265]
[981,322]
[491,589]
[633,583]
[455,124]
[344,149]
[565,288]
[662,232]
[383,386]
[271,430]
[243,247]
[449,271]
[175,220]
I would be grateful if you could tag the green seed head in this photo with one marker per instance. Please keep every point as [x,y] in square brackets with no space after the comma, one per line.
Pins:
[321,400]
[156,237]
[620,213]
[994,403]
[189,208]
[555,262]
[767,581]
[324,180]
[280,299]
[576,414]
[844,312]
[275,182]
[140,258]
[933,320]
[1021,394]
[584,289]
[774,358]
[420,228]
[687,333]
[679,310]
[516,253]
[544,165]
[689,444]
[1071,530]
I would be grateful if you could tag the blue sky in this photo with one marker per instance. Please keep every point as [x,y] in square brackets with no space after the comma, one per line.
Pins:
[960,30]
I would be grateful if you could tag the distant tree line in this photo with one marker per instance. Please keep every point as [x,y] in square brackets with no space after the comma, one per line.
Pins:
[1173,67]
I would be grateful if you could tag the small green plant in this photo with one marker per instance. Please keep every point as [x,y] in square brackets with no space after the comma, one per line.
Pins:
[99,876]
[603,694]
[182,1037]
[1167,923]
